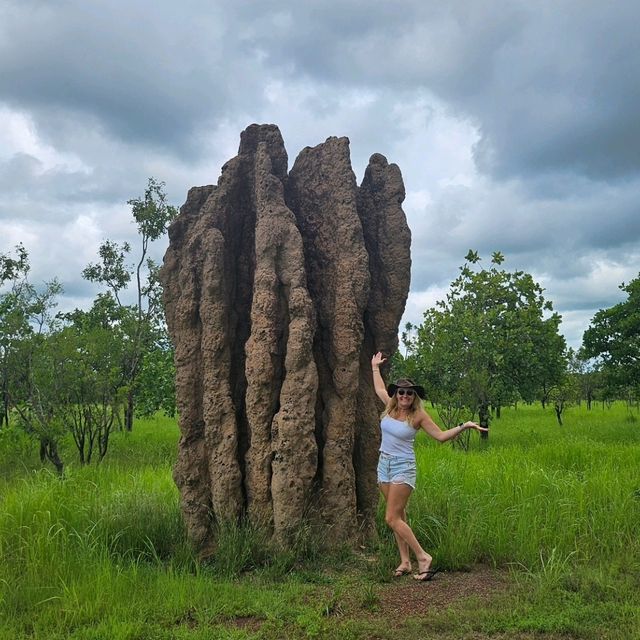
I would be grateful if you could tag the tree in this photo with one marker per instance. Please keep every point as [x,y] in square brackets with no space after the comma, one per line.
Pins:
[141,324]
[566,390]
[613,338]
[72,387]
[25,313]
[14,323]
[488,343]
[36,396]
[587,375]
[25,320]
[88,371]
[551,360]
[563,395]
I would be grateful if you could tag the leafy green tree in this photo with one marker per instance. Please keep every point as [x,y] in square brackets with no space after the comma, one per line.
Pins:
[72,387]
[141,324]
[37,400]
[25,313]
[563,395]
[550,361]
[613,339]
[566,390]
[14,323]
[488,342]
[88,370]
[588,376]
[26,318]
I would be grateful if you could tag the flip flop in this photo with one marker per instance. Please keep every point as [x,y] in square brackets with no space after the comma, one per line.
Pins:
[426,576]
[398,573]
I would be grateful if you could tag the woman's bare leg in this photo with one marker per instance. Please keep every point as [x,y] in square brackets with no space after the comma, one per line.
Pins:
[403,547]
[397,498]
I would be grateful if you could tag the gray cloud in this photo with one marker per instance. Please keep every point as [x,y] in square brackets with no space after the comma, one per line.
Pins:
[142,72]
[514,123]
[550,85]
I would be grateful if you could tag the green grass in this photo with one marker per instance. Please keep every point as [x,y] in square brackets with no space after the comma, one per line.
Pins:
[540,495]
[101,553]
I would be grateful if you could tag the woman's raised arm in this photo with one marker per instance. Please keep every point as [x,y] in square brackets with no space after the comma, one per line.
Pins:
[378,382]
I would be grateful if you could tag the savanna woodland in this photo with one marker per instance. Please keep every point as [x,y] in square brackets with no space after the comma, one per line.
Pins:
[535,526]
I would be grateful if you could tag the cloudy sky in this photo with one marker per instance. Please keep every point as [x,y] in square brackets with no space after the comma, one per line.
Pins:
[515,124]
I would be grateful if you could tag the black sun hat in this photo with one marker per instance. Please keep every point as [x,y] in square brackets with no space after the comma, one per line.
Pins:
[405,383]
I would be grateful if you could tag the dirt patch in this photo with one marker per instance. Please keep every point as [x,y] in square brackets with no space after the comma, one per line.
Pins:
[248,623]
[408,597]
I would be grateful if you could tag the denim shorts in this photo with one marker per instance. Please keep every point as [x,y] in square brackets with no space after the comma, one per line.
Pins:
[396,470]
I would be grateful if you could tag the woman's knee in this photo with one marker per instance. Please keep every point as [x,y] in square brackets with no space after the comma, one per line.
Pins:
[392,519]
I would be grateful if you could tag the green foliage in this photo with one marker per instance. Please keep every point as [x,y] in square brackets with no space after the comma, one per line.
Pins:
[25,313]
[112,269]
[101,553]
[588,378]
[73,386]
[613,338]
[71,374]
[58,379]
[141,325]
[570,388]
[14,268]
[92,387]
[489,342]
[156,382]
[16,449]
[25,320]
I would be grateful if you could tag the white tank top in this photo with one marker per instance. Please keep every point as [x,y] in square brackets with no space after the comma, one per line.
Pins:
[397,438]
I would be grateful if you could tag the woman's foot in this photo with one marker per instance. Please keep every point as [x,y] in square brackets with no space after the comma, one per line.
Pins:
[426,576]
[402,570]
[424,568]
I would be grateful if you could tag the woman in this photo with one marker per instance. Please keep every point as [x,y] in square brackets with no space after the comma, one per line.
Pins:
[401,419]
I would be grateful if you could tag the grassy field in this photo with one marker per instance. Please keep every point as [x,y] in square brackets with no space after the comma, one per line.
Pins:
[537,532]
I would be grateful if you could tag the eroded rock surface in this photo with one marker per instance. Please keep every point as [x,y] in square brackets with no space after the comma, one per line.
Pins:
[278,289]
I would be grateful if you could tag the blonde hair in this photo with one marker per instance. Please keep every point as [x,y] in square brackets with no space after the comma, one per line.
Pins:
[415,408]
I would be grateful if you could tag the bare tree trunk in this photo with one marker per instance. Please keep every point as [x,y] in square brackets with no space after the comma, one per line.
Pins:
[4,410]
[49,451]
[128,412]
[483,417]
[559,409]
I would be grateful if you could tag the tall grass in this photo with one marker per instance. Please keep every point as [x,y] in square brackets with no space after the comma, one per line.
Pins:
[107,543]
[72,547]
[537,495]
[104,548]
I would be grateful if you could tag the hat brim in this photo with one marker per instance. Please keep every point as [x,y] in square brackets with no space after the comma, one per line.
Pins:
[392,388]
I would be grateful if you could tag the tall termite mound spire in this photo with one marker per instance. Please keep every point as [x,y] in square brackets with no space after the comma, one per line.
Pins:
[278,289]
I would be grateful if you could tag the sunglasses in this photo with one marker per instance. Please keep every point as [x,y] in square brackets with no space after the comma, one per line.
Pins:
[405,392]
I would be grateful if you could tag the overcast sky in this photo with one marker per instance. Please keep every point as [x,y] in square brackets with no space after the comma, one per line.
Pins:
[516,124]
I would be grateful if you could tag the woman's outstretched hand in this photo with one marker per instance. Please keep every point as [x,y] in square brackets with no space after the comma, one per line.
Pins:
[377,360]
[473,425]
